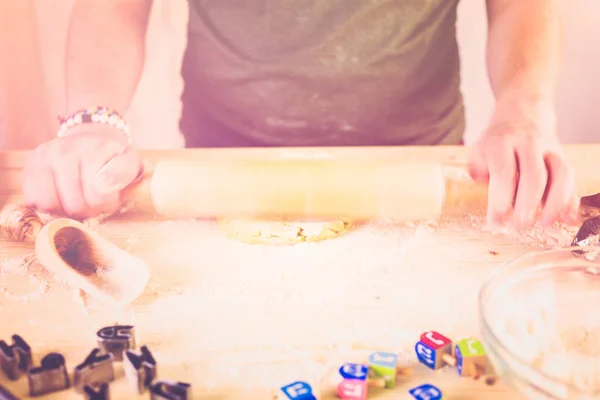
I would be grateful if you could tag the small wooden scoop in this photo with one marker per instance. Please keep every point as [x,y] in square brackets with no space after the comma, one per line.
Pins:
[86,260]
[80,256]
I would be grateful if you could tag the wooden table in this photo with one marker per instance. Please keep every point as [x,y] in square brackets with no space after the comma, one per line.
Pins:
[238,321]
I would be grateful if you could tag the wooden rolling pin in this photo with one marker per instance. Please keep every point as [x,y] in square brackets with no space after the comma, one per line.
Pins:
[358,189]
[81,257]
[21,224]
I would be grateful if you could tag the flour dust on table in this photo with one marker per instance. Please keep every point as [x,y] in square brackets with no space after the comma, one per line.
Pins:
[229,316]
[22,279]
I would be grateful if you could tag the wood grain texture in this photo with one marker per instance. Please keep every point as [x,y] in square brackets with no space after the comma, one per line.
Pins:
[335,188]
[237,320]
[226,316]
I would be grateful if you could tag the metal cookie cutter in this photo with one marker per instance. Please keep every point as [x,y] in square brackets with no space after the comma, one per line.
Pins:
[6,395]
[97,368]
[587,237]
[15,359]
[589,229]
[591,226]
[51,376]
[96,392]
[170,390]
[116,339]
[140,368]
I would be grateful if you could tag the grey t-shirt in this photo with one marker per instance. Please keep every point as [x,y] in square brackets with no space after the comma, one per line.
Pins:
[322,72]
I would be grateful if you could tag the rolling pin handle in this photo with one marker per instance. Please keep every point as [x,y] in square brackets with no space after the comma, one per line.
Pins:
[21,223]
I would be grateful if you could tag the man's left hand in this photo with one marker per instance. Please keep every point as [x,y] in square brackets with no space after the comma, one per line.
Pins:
[522,159]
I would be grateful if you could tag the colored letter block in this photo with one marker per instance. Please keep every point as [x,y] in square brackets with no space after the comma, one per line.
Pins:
[297,391]
[470,356]
[354,371]
[426,392]
[352,389]
[384,366]
[431,349]
[353,383]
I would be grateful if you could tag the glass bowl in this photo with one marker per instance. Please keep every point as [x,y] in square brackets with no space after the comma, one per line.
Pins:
[540,322]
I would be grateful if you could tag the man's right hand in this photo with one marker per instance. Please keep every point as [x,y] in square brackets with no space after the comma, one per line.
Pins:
[82,174]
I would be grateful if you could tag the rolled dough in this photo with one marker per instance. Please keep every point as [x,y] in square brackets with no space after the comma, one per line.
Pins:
[281,231]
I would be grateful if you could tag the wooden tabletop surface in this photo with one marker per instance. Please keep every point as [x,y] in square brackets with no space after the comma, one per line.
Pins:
[238,321]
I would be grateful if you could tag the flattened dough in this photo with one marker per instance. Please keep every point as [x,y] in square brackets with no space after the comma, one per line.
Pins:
[281,231]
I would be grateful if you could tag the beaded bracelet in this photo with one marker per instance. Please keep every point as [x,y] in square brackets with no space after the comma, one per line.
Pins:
[99,115]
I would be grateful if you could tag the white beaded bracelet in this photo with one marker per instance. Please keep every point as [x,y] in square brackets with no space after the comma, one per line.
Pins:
[98,115]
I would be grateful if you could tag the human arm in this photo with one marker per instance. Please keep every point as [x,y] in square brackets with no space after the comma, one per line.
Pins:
[24,111]
[520,152]
[105,52]
[524,50]
[83,173]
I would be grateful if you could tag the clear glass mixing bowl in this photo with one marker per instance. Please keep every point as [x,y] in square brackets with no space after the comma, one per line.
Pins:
[540,321]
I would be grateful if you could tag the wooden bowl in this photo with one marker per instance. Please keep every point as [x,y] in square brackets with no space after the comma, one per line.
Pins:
[86,260]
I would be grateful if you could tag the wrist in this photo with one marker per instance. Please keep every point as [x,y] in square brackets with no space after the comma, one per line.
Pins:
[105,130]
[529,112]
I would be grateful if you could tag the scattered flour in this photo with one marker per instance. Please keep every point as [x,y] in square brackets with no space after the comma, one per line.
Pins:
[18,282]
[238,309]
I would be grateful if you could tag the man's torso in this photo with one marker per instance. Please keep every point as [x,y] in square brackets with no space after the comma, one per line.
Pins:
[322,72]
